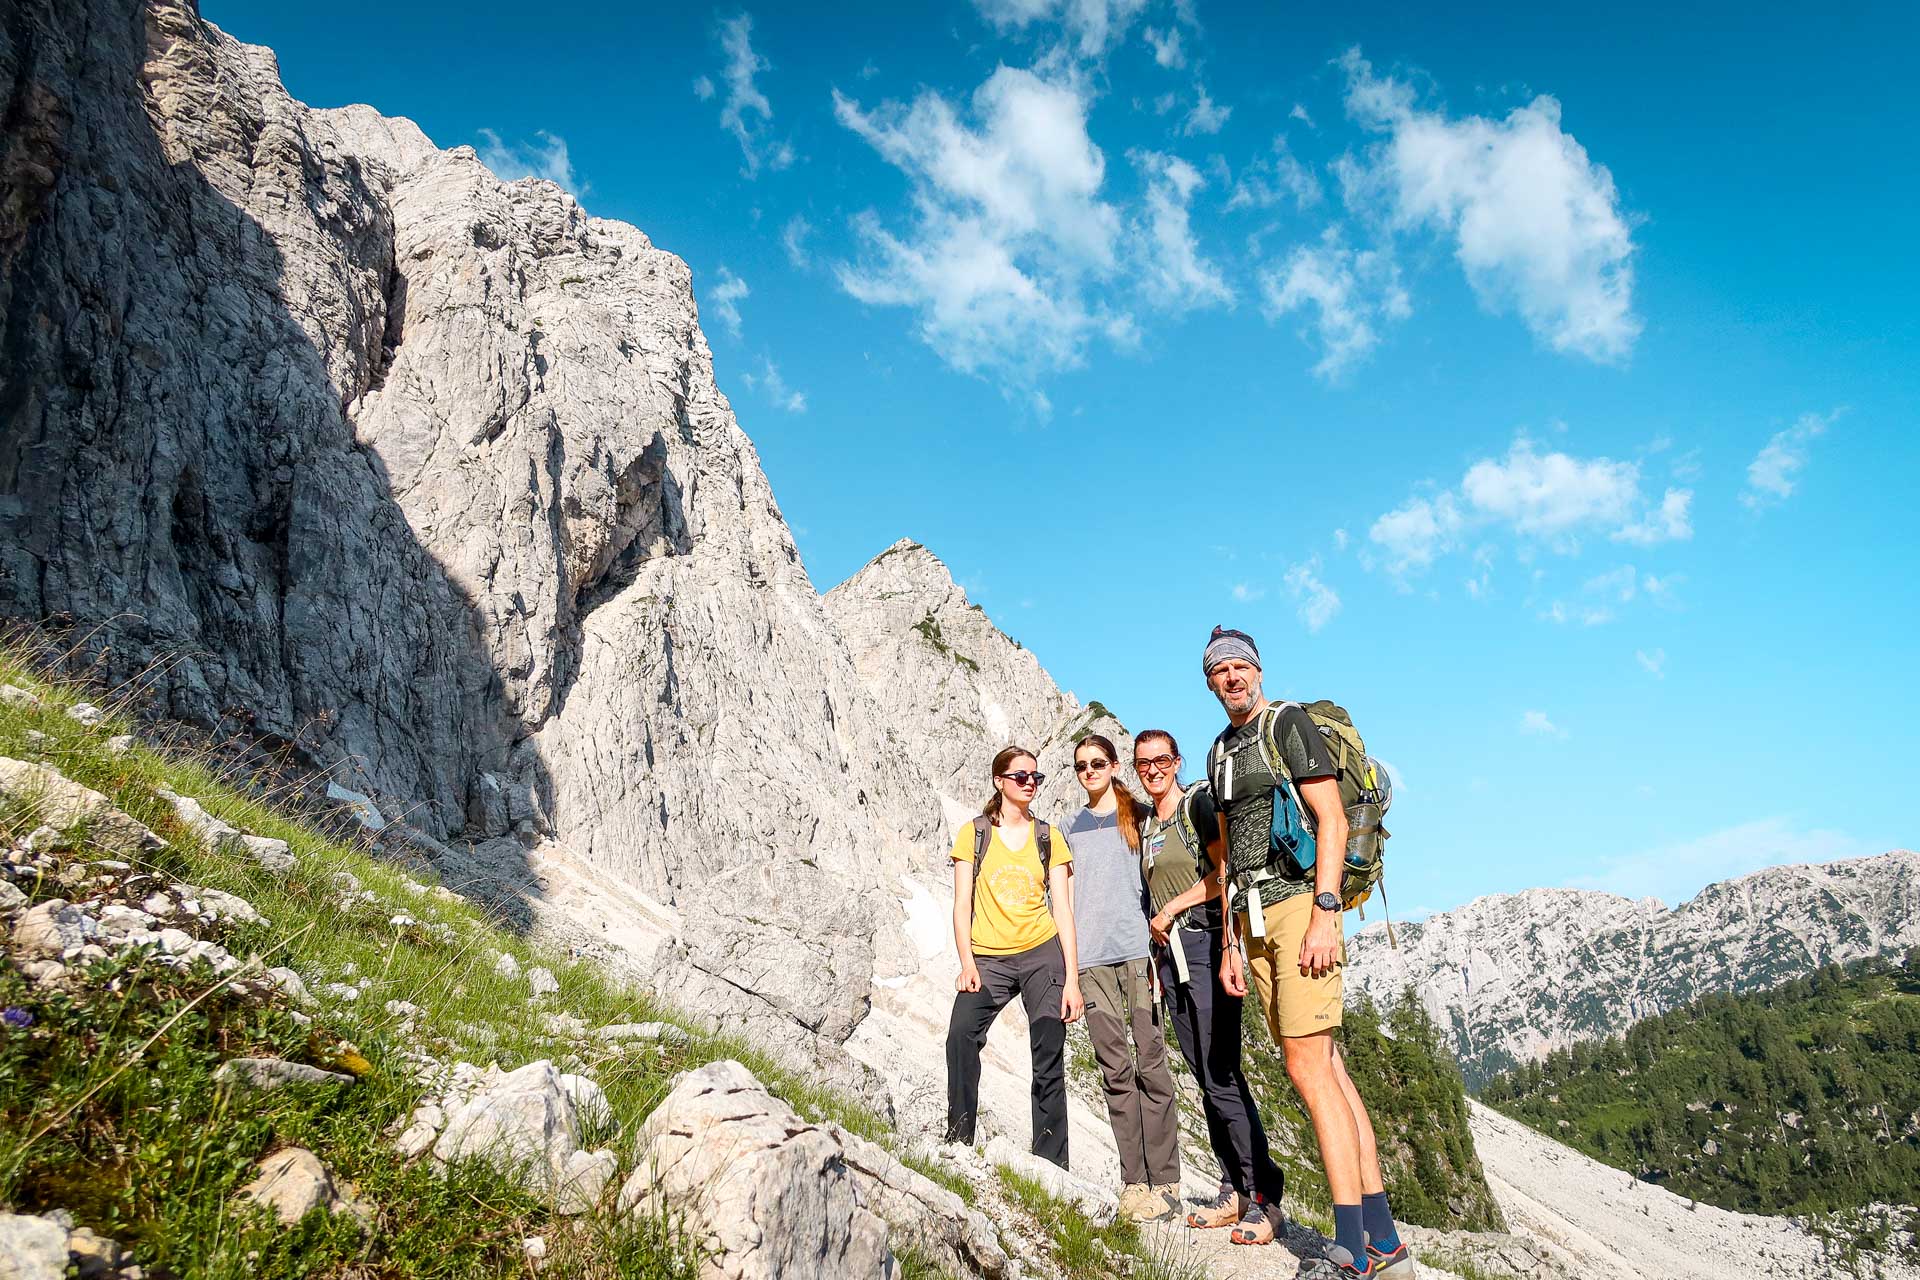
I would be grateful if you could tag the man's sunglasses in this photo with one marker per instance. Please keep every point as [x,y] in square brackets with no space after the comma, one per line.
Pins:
[1087,766]
[1157,763]
[1025,777]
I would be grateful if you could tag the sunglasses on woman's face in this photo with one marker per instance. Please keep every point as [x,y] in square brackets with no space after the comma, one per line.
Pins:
[1159,764]
[1088,766]
[1025,777]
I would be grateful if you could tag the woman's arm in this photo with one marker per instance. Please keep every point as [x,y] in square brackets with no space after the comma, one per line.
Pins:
[969,979]
[1162,922]
[1060,878]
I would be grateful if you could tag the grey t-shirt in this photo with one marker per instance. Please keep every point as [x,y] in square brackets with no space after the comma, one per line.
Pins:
[1108,920]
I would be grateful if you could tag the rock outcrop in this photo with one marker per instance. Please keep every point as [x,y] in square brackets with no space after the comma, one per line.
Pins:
[1510,977]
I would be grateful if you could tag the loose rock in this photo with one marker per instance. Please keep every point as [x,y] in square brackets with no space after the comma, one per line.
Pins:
[32,1248]
[264,1075]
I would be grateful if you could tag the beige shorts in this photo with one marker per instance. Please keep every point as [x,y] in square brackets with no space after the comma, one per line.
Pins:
[1295,1004]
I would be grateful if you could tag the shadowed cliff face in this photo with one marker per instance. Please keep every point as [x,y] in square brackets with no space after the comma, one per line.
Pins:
[422,471]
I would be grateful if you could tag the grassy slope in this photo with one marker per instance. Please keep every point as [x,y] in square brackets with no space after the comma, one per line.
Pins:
[108,1109]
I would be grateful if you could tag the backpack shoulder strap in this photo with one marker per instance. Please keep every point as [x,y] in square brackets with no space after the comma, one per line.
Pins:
[1270,740]
[982,832]
[1043,837]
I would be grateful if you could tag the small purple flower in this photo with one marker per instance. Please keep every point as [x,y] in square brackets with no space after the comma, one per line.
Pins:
[16,1017]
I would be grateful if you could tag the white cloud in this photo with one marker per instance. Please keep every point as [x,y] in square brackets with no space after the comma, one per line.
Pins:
[1550,499]
[1339,539]
[1008,226]
[1316,601]
[1175,275]
[703,88]
[793,238]
[725,298]
[1166,47]
[1352,293]
[1537,723]
[1207,115]
[1274,178]
[775,387]
[746,113]
[1772,474]
[1654,663]
[1417,532]
[544,158]
[1165,103]
[1246,593]
[1092,26]
[1670,522]
[1299,113]
[1675,872]
[1536,224]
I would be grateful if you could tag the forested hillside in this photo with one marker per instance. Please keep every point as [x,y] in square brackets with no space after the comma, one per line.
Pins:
[1801,1099]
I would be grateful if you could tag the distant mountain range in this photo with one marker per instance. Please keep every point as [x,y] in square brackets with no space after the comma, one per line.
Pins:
[1511,977]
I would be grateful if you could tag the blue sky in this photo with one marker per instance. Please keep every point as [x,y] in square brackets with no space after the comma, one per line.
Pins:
[1541,386]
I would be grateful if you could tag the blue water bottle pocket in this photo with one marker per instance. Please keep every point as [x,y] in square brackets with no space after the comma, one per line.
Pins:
[1291,846]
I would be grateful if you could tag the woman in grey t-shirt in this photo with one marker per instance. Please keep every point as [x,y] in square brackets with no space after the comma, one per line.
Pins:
[1110,922]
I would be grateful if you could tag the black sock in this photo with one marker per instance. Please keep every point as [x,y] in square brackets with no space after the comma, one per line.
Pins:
[1349,1234]
[1379,1220]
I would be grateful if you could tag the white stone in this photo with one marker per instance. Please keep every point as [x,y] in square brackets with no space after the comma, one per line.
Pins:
[506,966]
[31,1248]
[291,983]
[64,803]
[11,898]
[264,1075]
[85,713]
[589,1101]
[227,906]
[340,991]
[53,930]
[1097,1202]
[14,696]
[120,744]
[294,1182]
[524,1122]
[365,812]
[541,982]
[629,1031]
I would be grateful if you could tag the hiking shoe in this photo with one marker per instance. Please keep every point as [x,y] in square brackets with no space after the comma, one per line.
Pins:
[1337,1265]
[1254,1227]
[1221,1211]
[1397,1265]
[1142,1203]
[1169,1194]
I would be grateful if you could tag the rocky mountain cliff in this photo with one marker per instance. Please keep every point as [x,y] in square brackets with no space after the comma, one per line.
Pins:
[345,443]
[957,686]
[1514,976]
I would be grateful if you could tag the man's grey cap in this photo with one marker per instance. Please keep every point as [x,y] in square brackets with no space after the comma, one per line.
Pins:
[1225,645]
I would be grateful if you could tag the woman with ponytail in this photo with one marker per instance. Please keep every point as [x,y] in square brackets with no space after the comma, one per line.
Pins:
[1110,921]
[1013,928]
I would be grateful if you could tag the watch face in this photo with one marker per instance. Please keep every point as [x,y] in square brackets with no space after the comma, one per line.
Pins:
[1326,902]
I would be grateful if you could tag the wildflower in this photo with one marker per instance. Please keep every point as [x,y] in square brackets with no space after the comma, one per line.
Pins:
[16,1017]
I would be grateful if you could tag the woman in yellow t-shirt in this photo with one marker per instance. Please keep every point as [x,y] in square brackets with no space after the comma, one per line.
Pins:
[1013,927]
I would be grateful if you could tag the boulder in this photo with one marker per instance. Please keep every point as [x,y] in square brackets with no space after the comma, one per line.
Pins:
[924,1215]
[272,855]
[54,930]
[542,982]
[13,695]
[85,714]
[768,1195]
[524,1122]
[64,803]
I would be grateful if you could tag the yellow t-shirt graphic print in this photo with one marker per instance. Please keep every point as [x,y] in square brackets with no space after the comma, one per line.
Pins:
[1010,900]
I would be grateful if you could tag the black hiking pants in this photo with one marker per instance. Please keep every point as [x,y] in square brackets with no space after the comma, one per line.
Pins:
[1038,976]
[1206,1022]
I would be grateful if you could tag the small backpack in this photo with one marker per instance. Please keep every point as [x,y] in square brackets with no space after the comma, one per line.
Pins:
[983,832]
[1366,792]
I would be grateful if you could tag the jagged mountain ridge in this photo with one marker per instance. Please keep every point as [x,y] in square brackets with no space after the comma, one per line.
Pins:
[1514,976]
[943,672]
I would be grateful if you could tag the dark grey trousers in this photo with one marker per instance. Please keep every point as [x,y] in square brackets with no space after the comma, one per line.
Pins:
[1038,976]
[1206,1022]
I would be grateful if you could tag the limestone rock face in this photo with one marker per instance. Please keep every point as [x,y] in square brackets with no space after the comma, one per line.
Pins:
[526,1122]
[424,471]
[1511,977]
[956,689]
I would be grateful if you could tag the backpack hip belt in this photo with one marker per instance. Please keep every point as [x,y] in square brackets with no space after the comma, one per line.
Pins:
[1248,883]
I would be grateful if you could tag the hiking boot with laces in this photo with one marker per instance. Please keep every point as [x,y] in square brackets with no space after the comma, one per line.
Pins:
[1221,1211]
[1255,1225]
[1397,1265]
[1169,1194]
[1143,1203]
[1337,1265]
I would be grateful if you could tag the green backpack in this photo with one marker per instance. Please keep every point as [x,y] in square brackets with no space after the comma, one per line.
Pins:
[1366,792]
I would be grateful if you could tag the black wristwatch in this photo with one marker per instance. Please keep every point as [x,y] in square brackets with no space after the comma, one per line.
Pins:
[1326,902]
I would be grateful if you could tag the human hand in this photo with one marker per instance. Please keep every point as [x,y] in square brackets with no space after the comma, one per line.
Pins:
[1158,927]
[1233,977]
[1321,947]
[969,979]
[1071,1003]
